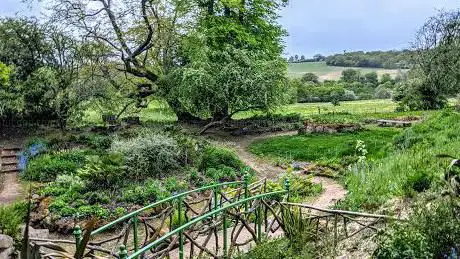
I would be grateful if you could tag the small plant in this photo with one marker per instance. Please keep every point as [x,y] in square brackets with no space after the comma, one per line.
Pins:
[11,217]
[172,184]
[196,178]
[361,151]
[299,231]
[224,174]
[175,220]
[46,167]
[150,191]
[106,171]
[431,232]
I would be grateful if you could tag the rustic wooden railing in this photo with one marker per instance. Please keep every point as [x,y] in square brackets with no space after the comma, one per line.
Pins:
[225,223]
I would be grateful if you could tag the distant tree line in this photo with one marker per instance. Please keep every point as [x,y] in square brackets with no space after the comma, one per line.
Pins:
[392,59]
[302,59]
[353,85]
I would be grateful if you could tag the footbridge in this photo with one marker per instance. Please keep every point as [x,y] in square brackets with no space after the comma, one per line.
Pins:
[216,221]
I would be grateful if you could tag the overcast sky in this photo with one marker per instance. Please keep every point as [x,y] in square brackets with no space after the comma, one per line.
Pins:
[332,26]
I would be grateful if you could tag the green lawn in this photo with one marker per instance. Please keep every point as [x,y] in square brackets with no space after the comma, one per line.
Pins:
[352,107]
[352,111]
[325,148]
[325,72]
[157,111]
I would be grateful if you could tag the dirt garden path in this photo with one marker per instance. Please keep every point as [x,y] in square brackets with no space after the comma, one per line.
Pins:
[332,190]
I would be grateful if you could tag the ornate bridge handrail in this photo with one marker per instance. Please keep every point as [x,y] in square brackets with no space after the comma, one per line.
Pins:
[208,215]
[155,204]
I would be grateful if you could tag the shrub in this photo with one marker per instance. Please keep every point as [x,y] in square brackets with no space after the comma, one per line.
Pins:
[382,93]
[96,197]
[149,192]
[87,211]
[100,142]
[11,217]
[196,178]
[217,158]
[172,184]
[46,167]
[224,174]
[300,186]
[431,232]
[106,171]
[191,149]
[418,182]
[149,155]
[64,184]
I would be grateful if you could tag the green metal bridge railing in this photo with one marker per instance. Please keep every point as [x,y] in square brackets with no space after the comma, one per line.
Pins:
[176,197]
[222,210]
[233,223]
[170,207]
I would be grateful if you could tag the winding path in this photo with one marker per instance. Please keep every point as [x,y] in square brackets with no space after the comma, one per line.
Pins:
[332,190]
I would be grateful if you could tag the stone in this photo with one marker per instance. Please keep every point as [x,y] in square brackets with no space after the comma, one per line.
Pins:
[5,242]
[36,233]
[6,247]
[7,253]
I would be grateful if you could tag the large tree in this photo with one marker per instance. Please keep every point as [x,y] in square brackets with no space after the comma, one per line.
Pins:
[437,47]
[46,79]
[150,38]
[232,60]
[144,35]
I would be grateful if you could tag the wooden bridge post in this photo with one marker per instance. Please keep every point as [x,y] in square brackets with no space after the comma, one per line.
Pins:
[224,228]
[135,233]
[246,191]
[181,238]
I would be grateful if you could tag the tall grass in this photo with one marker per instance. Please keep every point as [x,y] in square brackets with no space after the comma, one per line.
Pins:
[412,168]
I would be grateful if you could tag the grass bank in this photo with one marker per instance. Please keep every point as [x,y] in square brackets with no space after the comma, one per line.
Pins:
[412,168]
[325,148]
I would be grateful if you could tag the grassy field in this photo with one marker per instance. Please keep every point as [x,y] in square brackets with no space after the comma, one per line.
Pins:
[325,148]
[325,72]
[351,111]
[352,107]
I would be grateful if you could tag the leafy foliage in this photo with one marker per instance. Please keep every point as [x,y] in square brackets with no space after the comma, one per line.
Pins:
[105,171]
[11,217]
[47,166]
[149,155]
[431,232]
[411,169]
[150,191]
[217,158]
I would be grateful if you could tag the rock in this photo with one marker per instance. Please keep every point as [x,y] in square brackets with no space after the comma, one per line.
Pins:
[296,165]
[6,242]
[7,253]
[6,246]
[36,233]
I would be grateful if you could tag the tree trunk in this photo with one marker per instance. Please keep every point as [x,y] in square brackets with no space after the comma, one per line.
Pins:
[182,116]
